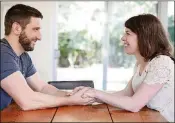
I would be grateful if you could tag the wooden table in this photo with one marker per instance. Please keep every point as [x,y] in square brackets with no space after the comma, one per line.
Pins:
[90,113]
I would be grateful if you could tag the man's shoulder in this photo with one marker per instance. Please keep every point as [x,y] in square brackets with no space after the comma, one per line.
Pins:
[6,51]
[26,56]
[9,61]
[4,47]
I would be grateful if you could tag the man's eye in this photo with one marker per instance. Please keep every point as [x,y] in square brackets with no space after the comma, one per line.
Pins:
[36,29]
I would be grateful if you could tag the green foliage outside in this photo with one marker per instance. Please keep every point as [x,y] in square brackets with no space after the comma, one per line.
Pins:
[77,49]
[81,50]
[171,28]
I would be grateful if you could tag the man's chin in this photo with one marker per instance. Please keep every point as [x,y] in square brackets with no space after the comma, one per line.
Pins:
[29,49]
[32,49]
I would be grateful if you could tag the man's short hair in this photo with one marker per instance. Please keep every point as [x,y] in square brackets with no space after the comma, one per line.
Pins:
[21,14]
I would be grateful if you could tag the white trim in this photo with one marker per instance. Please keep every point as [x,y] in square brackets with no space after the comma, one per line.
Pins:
[55,43]
[163,13]
[105,43]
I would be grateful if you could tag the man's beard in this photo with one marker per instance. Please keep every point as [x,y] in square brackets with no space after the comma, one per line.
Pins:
[25,42]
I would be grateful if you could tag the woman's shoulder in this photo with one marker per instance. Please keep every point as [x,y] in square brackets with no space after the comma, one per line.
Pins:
[160,70]
[162,59]
[161,63]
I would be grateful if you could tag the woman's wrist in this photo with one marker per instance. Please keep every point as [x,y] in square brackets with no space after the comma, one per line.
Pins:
[97,93]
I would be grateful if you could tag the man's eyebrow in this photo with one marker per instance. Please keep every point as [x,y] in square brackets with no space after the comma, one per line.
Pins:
[36,28]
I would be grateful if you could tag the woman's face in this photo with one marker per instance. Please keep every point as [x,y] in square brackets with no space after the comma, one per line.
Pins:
[130,42]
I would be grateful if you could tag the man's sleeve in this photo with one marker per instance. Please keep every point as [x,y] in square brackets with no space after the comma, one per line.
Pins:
[30,68]
[8,65]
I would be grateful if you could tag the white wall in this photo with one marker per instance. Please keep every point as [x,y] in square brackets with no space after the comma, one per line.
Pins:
[42,56]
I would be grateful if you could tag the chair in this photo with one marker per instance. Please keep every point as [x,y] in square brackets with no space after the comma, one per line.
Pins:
[69,85]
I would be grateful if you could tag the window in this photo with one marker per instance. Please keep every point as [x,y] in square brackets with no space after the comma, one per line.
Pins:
[120,65]
[80,28]
[171,20]
[90,48]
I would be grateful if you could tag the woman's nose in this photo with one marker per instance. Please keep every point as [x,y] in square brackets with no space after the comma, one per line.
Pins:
[123,38]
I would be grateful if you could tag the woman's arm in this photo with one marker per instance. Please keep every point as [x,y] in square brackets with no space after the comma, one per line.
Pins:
[159,73]
[134,103]
[127,91]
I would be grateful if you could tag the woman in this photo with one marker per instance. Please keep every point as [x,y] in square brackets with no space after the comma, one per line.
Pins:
[153,81]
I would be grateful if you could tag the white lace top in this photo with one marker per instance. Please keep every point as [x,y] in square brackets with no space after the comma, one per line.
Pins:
[159,70]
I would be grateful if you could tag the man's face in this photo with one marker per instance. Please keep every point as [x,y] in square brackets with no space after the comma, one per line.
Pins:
[30,34]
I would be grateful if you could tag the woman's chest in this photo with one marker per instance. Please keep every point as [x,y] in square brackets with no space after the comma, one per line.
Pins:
[137,79]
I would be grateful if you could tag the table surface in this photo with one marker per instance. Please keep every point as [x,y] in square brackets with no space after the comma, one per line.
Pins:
[88,113]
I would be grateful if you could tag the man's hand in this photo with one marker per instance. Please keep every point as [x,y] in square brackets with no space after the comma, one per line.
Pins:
[90,93]
[77,98]
[75,90]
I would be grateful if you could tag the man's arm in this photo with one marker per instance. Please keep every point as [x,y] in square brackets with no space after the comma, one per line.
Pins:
[16,86]
[38,85]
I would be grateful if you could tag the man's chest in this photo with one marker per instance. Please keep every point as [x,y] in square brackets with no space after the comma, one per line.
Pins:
[22,65]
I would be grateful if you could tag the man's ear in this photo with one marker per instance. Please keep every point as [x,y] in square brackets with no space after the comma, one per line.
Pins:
[16,28]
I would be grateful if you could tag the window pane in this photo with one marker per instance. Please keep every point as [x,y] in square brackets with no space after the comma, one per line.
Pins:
[120,65]
[171,20]
[80,27]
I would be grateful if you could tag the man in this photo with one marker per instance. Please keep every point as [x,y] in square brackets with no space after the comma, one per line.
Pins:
[19,78]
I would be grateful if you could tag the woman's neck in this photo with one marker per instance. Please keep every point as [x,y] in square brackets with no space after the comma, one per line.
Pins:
[140,60]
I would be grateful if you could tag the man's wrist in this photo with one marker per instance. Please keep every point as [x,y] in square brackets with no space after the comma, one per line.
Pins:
[69,100]
[61,93]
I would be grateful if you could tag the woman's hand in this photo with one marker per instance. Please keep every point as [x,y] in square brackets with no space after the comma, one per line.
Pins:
[89,93]
[78,99]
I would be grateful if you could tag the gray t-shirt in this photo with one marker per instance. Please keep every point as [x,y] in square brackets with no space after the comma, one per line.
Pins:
[11,63]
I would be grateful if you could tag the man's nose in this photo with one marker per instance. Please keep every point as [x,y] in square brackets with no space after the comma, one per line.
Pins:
[39,36]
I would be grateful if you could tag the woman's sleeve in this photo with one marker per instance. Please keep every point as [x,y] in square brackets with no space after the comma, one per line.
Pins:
[158,71]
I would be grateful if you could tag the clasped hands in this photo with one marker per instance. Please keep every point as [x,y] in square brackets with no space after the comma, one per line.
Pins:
[83,95]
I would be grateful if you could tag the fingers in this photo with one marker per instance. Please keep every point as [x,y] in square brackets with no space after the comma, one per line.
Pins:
[85,95]
[78,88]
[68,93]
[82,91]
[89,93]
[78,99]
[89,101]
[75,90]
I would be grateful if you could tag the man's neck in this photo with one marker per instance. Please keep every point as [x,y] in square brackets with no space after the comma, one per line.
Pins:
[14,43]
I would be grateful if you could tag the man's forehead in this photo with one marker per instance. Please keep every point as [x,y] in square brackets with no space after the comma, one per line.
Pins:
[36,22]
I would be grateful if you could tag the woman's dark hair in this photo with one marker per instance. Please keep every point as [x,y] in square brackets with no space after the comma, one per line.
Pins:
[152,39]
